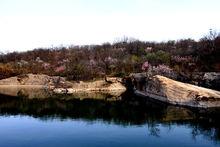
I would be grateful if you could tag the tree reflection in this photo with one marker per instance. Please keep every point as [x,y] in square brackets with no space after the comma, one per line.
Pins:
[129,110]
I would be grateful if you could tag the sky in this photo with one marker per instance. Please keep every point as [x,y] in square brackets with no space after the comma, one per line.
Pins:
[29,24]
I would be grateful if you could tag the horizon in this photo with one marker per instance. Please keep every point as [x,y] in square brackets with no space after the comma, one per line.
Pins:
[29,25]
[116,40]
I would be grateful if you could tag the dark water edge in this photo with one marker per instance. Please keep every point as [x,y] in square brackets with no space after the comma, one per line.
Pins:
[130,121]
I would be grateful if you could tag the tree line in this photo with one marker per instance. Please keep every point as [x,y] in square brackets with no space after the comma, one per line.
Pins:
[120,58]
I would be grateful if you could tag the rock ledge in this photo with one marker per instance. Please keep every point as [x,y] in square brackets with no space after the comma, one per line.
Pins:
[178,93]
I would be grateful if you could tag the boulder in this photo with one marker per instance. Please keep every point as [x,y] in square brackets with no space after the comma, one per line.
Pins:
[178,93]
[211,80]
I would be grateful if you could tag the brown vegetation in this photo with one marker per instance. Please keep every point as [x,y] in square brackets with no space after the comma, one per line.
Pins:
[118,59]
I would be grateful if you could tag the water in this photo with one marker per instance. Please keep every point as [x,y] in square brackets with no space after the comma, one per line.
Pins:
[128,121]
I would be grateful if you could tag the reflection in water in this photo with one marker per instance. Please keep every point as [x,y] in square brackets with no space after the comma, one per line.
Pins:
[126,110]
[39,92]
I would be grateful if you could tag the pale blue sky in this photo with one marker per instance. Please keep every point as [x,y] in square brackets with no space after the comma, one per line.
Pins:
[28,24]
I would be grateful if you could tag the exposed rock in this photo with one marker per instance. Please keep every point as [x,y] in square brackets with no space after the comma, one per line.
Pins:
[211,80]
[211,76]
[178,93]
[204,79]
[139,80]
[37,79]
[59,85]
[38,92]
[113,85]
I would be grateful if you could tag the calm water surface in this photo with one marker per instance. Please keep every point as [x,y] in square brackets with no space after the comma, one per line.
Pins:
[128,121]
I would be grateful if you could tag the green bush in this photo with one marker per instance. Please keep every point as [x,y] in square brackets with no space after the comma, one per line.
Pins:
[159,57]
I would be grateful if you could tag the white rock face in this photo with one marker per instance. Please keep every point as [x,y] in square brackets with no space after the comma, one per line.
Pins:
[174,92]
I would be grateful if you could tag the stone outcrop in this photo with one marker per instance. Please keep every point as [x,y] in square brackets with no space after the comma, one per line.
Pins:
[112,85]
[211,80]
[178,93]
[37,79]
[204,79]
[59,85]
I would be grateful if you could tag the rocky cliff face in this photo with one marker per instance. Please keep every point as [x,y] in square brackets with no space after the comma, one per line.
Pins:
[178,93]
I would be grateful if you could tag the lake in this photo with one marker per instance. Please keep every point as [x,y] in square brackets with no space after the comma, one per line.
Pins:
[65,120]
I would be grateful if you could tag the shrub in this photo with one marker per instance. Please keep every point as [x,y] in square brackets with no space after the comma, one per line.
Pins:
[164,70]
[6,71]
